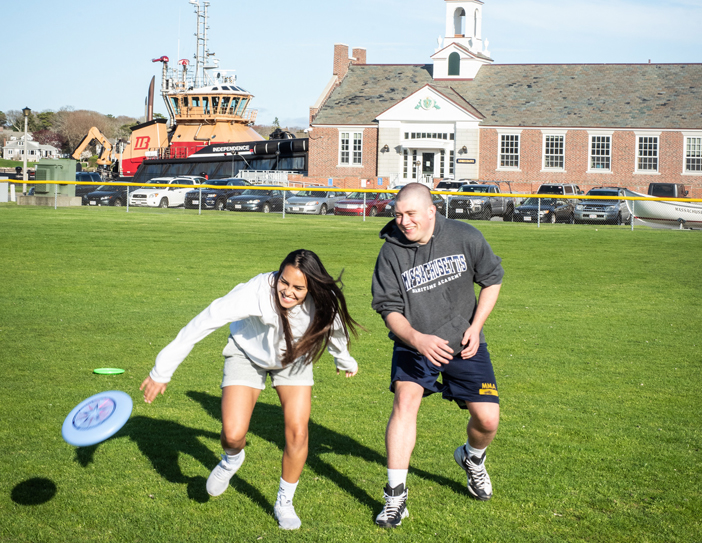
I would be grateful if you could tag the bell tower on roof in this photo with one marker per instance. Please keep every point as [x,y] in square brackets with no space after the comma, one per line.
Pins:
[464,20]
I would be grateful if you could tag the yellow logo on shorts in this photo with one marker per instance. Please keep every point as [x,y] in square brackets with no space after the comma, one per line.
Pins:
[488,389]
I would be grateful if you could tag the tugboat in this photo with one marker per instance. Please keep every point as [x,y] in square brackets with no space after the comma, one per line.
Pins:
[208,132]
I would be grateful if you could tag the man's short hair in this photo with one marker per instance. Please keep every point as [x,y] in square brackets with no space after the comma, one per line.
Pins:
[415,190]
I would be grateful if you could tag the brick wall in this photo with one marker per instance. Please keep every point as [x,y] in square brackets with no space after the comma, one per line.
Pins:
[324,153]
[577,156]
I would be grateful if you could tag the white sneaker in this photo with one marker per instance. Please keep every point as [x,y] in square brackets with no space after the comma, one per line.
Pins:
[478,484]
[218,481]
[395,508]
[285,514]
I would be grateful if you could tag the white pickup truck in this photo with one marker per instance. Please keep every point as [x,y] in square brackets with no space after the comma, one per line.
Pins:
[148,196]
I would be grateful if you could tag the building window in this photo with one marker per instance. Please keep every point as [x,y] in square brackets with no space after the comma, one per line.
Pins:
[554,152]
[647,159]
[344,147]
[351,148]
[693,155]
[454,64]
[509,151]
[441,164]
[600,152]
[357,149]
[451,161]
[414,164]
[406,160]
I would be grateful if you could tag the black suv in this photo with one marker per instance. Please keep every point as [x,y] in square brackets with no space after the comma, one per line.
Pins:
[215,198]
[87,177]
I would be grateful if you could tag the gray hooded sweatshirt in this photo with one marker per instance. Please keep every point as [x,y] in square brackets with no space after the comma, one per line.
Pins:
[431,285]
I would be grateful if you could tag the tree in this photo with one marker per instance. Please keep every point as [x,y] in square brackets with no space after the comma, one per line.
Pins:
[276,123]
[3,119]
[47,137]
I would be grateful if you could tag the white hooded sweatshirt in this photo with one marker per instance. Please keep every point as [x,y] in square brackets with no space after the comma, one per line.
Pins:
[255,327]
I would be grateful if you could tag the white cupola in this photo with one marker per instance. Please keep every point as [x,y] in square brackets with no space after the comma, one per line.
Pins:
[462,51]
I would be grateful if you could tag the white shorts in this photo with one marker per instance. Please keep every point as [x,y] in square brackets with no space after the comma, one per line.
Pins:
[240,370]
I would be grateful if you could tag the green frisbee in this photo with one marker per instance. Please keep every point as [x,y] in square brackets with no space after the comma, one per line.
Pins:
[108,371]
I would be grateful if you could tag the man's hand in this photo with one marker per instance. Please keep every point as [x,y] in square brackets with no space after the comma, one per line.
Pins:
[471,340]
[152,389]
[348,373]
[433,347]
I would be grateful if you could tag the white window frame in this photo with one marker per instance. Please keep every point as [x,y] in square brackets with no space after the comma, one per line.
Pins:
[350,152]
[550,134]
[687,136]
[509,133]
[591,136]
[639,157]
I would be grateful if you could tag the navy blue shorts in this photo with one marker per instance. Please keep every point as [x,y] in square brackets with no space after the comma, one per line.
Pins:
[462,380]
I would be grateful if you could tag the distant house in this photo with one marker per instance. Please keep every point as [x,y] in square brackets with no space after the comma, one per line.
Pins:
[14,149]
[464,117]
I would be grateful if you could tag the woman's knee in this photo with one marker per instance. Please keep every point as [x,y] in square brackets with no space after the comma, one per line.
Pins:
[233,439]
[296,435]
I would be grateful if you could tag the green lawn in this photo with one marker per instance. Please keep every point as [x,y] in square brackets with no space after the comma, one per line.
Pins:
[595,341]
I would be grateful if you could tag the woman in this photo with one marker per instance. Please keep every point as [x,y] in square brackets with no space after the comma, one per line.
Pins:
[281,322]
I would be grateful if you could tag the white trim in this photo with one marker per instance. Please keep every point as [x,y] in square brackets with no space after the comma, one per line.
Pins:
[697,134]
[344,126]
[515,132]
[638,136]
[352,139]
[544,135]
[326,91]
[584,128]
[595,134]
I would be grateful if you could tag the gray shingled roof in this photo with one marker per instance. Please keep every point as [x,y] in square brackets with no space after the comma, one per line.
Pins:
[569,95]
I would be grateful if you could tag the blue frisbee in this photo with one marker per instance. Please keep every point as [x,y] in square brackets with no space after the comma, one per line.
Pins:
[97,418]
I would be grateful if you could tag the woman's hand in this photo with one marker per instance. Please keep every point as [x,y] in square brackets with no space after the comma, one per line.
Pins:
[348,373]
[152,389]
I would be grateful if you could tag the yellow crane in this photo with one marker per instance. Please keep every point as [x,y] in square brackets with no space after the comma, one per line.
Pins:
[94,134]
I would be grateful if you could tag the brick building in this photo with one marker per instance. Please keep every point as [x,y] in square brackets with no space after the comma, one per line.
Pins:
[462,116]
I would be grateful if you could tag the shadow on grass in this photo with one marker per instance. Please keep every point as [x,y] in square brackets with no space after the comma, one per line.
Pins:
[33,491]
[267,423]
[162,442]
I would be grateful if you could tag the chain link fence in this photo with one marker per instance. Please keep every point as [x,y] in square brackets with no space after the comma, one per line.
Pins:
[473,202]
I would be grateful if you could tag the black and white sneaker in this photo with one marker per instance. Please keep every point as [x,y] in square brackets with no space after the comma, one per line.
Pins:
[479,485]
[395,508]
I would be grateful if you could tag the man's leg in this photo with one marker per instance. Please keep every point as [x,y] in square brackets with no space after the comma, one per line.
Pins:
[481,430]
[400,437]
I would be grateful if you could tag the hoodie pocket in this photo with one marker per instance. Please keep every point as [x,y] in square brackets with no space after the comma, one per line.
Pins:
[453,331]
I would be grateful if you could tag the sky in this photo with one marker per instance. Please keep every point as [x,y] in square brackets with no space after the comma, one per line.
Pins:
[97,55]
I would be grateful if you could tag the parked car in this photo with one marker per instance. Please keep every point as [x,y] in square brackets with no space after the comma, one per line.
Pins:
[313,202]
[449,185]
[149,196]
[613,211]
[552,210]
[564,189]
[215,198]
[667,190]
[87,177]
[437,200]
[108,195]
[353,204]
[481,203]
[264,199]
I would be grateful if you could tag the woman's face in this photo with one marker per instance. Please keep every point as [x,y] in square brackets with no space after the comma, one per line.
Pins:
[291,287]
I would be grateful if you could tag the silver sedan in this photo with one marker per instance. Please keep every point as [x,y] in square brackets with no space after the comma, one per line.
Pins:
[313,202]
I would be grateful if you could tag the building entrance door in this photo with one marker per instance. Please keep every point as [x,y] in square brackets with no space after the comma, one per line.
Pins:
[428,164]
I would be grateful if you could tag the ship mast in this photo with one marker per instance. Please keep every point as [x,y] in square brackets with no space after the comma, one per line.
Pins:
[202,52]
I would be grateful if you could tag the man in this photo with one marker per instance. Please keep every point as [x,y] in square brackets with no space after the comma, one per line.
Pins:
[423,288]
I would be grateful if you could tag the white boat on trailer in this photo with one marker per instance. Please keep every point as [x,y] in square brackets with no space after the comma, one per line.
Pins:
[673,214]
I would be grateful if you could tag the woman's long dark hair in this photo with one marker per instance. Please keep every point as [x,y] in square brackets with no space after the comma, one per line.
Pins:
[328,300]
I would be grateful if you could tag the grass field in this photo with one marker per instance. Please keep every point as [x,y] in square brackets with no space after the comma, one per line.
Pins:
[595,340]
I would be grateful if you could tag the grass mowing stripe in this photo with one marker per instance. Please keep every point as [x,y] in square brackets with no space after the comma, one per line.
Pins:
[595,342]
